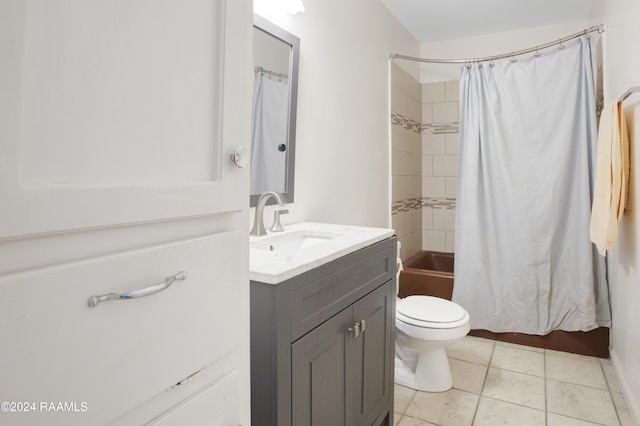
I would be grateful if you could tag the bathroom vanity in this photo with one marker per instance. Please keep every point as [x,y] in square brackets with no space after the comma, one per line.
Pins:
[322,340]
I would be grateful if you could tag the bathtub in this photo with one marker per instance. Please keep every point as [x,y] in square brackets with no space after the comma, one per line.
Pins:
[430,273]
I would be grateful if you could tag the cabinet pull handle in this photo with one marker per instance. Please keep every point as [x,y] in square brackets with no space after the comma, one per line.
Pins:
[355,330]
[143,292]
[363,326]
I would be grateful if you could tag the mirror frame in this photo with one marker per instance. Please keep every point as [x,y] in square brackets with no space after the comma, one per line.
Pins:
[294,58]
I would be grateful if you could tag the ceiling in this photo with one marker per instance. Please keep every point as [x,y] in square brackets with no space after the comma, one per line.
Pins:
[435,20]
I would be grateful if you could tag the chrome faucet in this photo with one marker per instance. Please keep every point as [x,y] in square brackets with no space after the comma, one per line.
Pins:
[258,222]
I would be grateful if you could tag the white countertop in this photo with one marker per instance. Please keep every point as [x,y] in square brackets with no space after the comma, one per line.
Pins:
[273,267]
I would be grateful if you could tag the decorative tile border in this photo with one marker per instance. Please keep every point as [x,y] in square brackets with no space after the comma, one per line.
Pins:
[406,205]
[417,203]
[440,203]
[407,123]
[441,128]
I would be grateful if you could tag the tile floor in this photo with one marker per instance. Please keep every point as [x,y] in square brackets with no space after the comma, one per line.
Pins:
[497,383]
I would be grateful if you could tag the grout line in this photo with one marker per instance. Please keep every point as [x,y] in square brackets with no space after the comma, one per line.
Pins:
[484,382]
[546,393]
[606,380]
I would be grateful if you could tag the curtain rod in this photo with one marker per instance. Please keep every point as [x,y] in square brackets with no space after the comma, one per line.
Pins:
[598,28]
[628,93]
[273,73]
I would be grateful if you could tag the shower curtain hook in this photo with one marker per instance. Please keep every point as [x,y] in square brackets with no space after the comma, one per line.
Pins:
[491,63]
[561,47]
[537,54]
[513,59]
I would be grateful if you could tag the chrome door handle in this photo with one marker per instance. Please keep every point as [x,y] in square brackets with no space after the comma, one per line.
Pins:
[355,330]
[143,292]
[363,326]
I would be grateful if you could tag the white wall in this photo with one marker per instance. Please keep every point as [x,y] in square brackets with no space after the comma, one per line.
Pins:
[488,45]
[621,71]
[342,143]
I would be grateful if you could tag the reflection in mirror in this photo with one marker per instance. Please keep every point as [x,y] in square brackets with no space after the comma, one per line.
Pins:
[275,60]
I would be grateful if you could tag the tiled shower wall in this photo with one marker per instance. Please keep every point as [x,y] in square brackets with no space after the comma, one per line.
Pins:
[439,164]
[406,169]
[424,162]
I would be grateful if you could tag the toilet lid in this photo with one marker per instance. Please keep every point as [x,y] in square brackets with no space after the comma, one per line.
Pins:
[430,309]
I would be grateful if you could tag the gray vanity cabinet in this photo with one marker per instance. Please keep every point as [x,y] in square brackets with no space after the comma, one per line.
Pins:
[322,343]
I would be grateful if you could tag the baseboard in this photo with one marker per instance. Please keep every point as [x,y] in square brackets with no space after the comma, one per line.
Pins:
[632,404]
[590,343]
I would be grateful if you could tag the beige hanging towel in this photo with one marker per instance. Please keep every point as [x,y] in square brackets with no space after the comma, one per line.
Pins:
[612,176]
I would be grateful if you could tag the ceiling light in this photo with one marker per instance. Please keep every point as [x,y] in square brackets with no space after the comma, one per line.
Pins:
[293,6]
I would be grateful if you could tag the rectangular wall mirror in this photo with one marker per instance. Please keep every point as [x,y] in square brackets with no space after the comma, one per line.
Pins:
[275,91]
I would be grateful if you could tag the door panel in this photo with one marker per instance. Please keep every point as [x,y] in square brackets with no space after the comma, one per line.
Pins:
[217,401]
[118,114]
[128,350]
[319,374]
[370,357]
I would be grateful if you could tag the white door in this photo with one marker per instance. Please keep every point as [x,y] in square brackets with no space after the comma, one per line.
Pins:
[117,112]
[118,120]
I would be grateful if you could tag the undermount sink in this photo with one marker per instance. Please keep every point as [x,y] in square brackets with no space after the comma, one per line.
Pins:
[279,256]
[291,242]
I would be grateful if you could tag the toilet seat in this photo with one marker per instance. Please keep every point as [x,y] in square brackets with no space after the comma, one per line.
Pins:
[430,312]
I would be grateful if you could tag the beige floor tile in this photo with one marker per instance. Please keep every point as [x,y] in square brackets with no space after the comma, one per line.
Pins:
[472,349]
[451,408]
[402,398]
[518,388]
[525,347]
[517,359]
[410,421]
[396,418]
[610,376]
[580,390]
[467,376]
[581,402]
[558,420]
[493,412]
[575,370]
[624,415]
[570,355]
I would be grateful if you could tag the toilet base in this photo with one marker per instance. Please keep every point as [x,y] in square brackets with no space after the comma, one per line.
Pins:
[432,373]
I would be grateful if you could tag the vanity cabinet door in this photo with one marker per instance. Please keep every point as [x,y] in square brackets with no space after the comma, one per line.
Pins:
[370,357]
[341,377]
[319,374]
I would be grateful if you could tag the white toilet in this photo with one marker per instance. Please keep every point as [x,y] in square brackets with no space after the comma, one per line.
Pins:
[425,325]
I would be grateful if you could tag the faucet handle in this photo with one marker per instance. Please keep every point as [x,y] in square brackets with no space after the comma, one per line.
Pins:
[277,226]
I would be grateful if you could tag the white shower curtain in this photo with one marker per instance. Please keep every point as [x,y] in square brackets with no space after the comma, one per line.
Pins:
[524,261]
[269,131]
